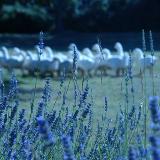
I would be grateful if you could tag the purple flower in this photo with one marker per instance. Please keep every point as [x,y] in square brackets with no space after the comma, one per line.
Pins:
[45,132]
[143,40]
[132,154]
[12,137]
[106,104]
[155,153]
[86,110]
[14,110]
[155,113]
[151,44]
[46,91]
[155,141]
[75,57]
[40,108]
[13,89]
[21,120]
[155,117]
[130,67]
[1,89]
[2,124]
[51,117]
[84,95]
[68,154]
[41,42]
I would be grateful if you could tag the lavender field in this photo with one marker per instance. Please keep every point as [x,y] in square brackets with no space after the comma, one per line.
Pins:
[99,117]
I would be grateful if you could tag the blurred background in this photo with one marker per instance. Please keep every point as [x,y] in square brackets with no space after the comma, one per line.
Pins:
[67,18]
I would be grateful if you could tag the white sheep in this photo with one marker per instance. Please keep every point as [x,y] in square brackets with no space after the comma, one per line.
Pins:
[13,60]
[145,62]
[88,52]
[118,62]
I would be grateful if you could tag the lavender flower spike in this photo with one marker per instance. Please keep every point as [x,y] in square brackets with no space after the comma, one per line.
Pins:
[155,117]
[68,154]
[155,113]
[45,132]
[155,142]
[132,154]
[41,42]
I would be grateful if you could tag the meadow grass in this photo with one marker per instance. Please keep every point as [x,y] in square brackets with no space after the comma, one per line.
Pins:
[111,87]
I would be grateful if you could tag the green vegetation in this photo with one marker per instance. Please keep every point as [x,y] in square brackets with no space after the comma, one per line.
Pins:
[100,87]
[109,15]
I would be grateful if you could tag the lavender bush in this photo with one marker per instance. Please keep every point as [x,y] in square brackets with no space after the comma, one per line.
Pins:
[69,132]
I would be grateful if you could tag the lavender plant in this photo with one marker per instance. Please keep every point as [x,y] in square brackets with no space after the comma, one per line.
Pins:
[69,132]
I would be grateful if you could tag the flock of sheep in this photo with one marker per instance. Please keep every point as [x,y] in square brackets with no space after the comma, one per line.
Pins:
[89,61]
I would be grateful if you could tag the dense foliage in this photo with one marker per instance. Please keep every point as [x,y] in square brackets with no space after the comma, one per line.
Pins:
[82,15]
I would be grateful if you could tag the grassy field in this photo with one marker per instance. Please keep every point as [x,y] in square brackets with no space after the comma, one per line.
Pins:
[114,88]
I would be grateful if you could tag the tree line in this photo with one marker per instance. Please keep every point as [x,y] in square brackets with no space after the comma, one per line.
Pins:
[79,15]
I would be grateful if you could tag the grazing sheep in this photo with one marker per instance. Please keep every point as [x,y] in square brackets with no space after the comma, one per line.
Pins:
[31,62]
[14,60]
[145,62]
[101,61]
[124,56]
[88,52]
[2,59]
